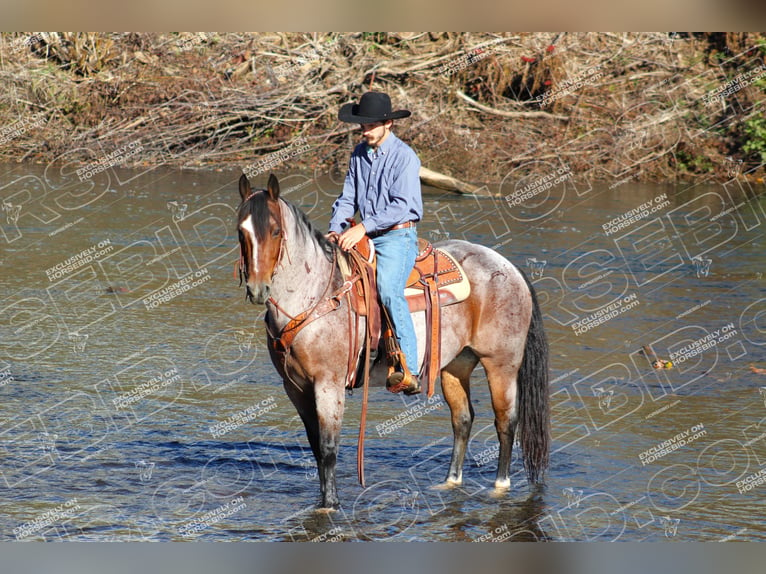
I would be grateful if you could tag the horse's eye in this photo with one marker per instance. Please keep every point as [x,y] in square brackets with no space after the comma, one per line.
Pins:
[277,232]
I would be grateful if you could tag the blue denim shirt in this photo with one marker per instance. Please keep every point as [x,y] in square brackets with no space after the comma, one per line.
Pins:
[383,185]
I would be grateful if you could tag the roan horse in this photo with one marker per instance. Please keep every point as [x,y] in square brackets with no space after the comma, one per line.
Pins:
[288,265]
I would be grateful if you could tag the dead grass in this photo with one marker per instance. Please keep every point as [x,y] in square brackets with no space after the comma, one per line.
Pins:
[612,104]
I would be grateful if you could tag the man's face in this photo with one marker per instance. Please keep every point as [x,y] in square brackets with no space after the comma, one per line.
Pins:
[375,133]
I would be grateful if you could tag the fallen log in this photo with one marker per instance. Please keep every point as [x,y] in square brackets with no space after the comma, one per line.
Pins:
[436,179]
[527,115]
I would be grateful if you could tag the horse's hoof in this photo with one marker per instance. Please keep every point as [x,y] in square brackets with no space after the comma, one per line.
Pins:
[327,509]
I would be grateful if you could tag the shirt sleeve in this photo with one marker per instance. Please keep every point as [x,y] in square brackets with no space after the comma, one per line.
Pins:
[404,196]
[345,206]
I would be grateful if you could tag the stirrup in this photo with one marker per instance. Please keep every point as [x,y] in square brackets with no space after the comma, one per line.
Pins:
[398,382]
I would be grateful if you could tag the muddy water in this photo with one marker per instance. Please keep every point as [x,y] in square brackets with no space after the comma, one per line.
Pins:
[139,403]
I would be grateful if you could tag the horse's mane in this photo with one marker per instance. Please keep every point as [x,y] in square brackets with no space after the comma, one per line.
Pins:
[306,227]
[258,209]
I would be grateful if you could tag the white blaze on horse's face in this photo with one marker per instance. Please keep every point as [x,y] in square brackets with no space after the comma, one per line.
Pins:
[261,245]
[247,227]
[258,286]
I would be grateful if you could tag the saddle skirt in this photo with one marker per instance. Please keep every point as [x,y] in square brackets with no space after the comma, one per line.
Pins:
[451,280]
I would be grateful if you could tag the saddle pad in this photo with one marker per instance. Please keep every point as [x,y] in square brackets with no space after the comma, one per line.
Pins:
[452,281]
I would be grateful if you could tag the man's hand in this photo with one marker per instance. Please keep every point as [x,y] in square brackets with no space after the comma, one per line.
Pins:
[351,237]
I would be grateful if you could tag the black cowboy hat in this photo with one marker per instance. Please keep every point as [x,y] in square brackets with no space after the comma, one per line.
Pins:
[372,107]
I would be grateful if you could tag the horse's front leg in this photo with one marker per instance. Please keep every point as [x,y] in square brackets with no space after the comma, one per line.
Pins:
[330,399]
[321,410]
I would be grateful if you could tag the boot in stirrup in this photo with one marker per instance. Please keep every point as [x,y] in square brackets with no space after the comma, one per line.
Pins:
[400,379]
[406,382]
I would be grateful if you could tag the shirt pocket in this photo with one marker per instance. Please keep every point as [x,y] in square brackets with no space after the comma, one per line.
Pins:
[389,175]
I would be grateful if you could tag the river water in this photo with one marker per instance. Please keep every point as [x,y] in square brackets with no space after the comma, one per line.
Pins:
[139,402]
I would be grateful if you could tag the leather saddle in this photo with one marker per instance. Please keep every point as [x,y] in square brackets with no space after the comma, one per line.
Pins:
[431,262]
[436,280]
[453,285]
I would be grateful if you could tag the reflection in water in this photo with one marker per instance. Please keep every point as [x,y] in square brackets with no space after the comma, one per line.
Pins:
[139,402]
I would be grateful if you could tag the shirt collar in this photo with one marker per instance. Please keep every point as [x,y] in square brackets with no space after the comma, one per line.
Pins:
[388,144]
[385,147]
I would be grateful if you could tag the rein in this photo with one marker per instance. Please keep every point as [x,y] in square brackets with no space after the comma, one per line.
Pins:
[282,342]
[366,288]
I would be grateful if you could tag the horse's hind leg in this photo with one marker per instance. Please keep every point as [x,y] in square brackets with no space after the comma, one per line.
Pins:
[455,379]
[503,389]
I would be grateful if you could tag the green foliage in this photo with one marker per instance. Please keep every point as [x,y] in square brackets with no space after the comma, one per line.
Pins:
[755,137]
[376,37]
[691,163]
[374,40]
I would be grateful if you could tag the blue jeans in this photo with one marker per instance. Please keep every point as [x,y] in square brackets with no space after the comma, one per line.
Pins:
[396,251]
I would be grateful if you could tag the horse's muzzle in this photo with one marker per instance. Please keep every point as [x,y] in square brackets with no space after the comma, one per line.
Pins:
[259,294]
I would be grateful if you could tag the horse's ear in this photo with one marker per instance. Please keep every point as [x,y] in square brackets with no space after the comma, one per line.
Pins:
[244,187]
[273,187]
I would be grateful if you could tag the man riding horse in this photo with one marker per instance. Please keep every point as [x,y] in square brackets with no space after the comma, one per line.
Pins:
[312,322]
[383,185]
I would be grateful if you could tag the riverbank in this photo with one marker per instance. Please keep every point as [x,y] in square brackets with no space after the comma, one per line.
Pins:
[486,107]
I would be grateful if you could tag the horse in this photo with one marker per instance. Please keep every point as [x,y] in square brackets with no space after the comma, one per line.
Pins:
[289,266]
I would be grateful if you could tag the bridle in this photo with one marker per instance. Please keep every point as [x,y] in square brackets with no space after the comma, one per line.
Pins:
[243,265]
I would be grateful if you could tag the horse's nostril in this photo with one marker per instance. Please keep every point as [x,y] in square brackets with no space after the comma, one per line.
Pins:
[258,294]
[262,294]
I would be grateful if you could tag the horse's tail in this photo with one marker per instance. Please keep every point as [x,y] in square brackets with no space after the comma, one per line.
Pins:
[533,400]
